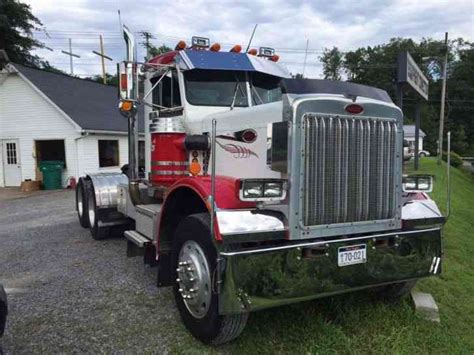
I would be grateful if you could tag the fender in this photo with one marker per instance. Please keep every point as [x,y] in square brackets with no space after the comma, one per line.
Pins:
[198,190]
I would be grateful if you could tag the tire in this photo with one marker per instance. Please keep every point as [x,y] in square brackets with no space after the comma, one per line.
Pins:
[192,241]
[396,291]
[422,155]
[3,310]
[81,201]
[97,232]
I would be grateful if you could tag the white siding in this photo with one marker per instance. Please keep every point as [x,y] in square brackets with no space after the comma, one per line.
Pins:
[89,148]
[26,115]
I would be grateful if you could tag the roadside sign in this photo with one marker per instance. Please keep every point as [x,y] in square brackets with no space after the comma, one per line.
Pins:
[411,74]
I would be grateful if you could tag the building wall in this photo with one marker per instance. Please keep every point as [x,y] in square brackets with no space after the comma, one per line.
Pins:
[88,148]
[411,141]
[27,116]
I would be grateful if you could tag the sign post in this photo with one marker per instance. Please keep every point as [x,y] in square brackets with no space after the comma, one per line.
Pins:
[410,77]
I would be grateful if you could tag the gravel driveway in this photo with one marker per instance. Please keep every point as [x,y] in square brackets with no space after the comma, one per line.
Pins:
[69,293]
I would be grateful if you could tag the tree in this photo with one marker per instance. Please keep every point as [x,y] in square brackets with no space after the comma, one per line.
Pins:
[111,79]
[332,60]
[16,26]
[152,51]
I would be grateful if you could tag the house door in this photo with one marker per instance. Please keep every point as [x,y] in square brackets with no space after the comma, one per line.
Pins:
[11,162]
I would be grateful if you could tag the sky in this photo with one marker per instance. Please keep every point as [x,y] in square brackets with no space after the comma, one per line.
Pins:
[286,26]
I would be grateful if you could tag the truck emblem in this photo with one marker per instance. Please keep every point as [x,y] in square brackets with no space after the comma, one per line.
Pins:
[237,151]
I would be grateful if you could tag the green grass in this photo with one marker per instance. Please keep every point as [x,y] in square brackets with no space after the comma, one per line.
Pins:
[356,323]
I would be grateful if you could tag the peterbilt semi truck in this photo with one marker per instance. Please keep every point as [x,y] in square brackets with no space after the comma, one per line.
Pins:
[261,190]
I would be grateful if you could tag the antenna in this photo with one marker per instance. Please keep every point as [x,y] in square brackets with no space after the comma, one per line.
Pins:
[305,57]
[251,37]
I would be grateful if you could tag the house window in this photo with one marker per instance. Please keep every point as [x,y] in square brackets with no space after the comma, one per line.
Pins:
[108,153]
[141,154]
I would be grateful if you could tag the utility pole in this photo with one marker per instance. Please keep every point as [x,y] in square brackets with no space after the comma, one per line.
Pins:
[102,58]
[443,96]
[71,54]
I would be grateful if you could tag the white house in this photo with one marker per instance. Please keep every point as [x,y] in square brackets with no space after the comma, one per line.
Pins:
[50,116]
[409,135]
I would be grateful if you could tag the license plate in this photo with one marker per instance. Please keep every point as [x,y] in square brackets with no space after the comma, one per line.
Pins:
[350,255]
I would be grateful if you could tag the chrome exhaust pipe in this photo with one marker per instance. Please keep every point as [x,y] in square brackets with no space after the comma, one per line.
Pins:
[132,75]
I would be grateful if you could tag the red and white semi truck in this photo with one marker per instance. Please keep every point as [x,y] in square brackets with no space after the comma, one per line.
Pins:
[261,190]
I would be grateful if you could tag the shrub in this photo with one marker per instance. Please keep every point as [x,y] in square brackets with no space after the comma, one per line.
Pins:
[456,159]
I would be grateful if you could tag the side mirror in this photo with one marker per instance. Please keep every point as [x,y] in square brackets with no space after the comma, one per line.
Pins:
[418,183]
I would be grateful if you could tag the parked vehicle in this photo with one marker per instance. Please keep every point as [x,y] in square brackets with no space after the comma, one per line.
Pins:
[407,151]
[261,190]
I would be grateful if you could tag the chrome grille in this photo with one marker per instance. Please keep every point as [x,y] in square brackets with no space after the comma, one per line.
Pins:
[348,172]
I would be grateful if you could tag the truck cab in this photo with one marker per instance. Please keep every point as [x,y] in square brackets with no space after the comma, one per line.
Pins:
[261,190]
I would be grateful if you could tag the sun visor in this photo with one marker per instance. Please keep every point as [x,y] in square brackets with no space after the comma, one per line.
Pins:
[201,59]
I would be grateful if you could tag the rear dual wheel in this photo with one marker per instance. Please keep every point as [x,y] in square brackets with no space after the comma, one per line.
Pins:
[194,258]
[82,188]
[92,212]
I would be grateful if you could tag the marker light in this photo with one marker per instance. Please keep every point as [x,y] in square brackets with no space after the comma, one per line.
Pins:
[216,47]
[236,49]
[126,106]
[194,168]
[274,58]
[200,42]
[266,52]
[253,51]
[355,109]
[180,46]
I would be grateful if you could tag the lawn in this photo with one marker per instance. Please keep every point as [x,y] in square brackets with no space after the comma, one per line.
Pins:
[356,323]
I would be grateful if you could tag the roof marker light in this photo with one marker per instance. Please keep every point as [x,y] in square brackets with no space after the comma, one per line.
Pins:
[180,46]
[236,49]
[274,58]
[253,51]
[216,47]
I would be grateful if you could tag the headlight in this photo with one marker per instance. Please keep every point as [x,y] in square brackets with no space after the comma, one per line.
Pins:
[252,189]
[262,190]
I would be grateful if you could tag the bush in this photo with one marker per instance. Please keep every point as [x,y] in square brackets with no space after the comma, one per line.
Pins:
[456,159]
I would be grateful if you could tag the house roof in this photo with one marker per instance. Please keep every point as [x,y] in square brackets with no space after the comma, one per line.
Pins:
[409,131]
[93,106]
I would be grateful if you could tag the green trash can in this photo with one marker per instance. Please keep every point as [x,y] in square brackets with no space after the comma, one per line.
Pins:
[52,174]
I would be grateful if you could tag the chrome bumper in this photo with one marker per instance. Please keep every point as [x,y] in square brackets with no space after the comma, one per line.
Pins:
[267,277]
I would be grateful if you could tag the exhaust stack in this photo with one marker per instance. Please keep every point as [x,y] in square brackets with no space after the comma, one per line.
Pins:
[132,93]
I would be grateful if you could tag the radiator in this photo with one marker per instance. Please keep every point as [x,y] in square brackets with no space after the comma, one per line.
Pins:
[348,169]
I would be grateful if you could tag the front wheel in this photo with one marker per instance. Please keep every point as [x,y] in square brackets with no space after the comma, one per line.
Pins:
[194,258]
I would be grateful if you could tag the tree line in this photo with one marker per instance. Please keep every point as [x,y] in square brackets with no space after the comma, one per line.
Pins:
[377,66]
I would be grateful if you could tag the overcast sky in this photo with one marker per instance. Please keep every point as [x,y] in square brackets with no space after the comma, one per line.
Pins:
[284,25]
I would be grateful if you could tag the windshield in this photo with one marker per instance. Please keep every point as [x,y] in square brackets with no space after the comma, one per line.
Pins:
[265,88]
[216,88]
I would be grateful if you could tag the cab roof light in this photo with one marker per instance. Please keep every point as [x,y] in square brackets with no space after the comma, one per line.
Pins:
[274,58]
[200,42]
[236,49]
[266,52]
[216,47]
[253,51]
[180,46]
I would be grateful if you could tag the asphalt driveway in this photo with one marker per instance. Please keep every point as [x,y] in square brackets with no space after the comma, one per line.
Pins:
[69,293]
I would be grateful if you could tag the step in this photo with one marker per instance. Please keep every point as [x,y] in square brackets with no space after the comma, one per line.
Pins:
[137,238]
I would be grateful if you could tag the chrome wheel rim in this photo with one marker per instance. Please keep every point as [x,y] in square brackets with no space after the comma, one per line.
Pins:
[194,279]
[91,209]
[80,204]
